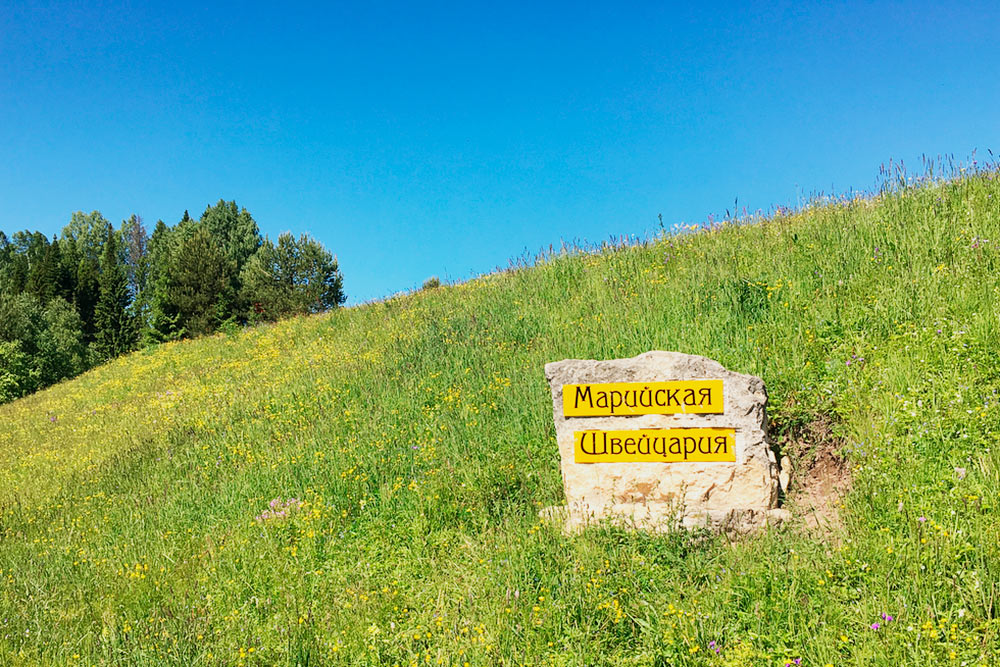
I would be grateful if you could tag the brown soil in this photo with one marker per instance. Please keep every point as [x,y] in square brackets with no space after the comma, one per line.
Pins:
[820,477]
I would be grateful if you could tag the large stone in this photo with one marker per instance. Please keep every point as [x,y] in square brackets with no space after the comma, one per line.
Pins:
[735,497]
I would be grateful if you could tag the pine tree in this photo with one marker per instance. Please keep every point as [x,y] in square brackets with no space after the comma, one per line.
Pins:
[115,327]
[198,275]
[292,277]
[238,237]
[235,230]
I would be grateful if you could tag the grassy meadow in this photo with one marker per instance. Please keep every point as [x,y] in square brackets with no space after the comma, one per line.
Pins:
[363,487]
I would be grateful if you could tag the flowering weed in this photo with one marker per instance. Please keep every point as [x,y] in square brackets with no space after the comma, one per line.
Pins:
[363,487]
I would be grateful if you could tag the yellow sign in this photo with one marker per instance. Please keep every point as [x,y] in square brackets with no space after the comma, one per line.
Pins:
[642,398]
[655,445]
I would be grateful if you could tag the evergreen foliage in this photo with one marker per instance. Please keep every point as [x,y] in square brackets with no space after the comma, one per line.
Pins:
[198,277]
[163,319]
[235,229]
[86,292]
[114,322]
[368,487]
[42,276]
[94,292]
[294,276]
[237,235]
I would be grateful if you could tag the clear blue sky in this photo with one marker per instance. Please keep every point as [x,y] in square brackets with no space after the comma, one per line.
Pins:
[419,139]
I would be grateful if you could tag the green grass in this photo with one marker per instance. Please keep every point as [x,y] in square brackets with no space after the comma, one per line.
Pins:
[417,434]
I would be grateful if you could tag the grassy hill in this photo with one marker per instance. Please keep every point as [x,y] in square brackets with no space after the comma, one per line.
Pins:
[363,487]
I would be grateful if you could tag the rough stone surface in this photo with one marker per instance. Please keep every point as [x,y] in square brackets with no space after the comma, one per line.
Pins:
[785,474]
[731,497]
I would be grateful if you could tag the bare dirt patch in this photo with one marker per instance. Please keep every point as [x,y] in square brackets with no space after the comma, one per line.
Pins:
[820,476]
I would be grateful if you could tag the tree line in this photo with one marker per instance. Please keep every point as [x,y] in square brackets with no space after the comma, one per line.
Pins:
[94,292]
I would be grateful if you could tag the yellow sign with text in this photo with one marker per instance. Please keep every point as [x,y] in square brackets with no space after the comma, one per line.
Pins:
[642,398]
[655,445]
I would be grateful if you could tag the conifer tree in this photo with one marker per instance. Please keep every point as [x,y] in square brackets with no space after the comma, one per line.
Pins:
[69,259]
[197,276]
[292,277]
[22,255]
[35,251]
[50,279]
[164,318]
[86,292]
[238,236]
[234,229]
[115,328]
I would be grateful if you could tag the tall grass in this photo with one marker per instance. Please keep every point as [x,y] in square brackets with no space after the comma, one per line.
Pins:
[410,446]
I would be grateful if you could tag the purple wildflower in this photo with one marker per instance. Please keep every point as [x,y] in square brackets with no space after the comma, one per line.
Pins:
[886,617]
[876,626]
[279,509]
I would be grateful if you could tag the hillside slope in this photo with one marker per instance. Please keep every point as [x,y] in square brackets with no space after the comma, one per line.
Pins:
[363,487]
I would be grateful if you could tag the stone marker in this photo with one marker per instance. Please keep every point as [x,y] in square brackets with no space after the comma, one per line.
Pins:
[663,440]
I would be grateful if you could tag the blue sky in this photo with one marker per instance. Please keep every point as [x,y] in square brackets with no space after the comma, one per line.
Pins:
[419,139]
